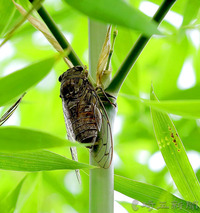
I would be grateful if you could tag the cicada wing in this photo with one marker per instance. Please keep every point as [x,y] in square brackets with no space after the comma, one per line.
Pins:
[71,137]
[10,111]
[102,151]
[75,157]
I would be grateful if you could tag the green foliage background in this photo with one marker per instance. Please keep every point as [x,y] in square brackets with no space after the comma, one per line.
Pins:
[161,63]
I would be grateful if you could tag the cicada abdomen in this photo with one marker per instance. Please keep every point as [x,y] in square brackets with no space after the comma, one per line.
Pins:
[83,112]
[80,106]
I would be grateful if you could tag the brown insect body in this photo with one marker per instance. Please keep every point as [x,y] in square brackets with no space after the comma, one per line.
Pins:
[85,116]
[80,105]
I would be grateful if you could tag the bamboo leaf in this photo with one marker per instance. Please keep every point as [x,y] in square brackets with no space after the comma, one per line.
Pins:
[116,12]
[14,139]
[130,207]
[38,161]
[18,24]
[185,108]
[8,204]
[191,11]
[7,12]
[152,196]
[175,155]
[18,82]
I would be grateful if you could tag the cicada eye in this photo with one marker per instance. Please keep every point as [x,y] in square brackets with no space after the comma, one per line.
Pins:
[60,78]
[79,68]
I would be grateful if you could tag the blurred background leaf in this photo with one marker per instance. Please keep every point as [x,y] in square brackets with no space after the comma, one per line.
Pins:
[116,12]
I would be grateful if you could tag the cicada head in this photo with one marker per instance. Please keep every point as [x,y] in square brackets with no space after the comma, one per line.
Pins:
[77,71]
[72,80]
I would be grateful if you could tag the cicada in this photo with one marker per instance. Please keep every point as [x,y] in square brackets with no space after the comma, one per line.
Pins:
[10,111]
[85,116]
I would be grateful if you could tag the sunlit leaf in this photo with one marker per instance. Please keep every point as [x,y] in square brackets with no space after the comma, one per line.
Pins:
[38,161]
[189,109]
[175,155]
[191,10]
[185,108]
[18,24]
[116,12]
[20,81]
[8,204]
[19,139]
[150,195]
[130,207]
[7,11]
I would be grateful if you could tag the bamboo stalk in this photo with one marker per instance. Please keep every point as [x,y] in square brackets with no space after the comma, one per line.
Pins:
[101,180]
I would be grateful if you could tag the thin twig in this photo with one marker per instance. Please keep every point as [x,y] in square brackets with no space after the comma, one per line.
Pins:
[136,50]
[59,35]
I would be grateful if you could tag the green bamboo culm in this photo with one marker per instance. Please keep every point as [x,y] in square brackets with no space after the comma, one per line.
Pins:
[73,57]
[136,50]
[101,180]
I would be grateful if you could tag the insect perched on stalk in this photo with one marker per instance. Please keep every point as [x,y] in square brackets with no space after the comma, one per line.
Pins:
[85,116]
[10,111]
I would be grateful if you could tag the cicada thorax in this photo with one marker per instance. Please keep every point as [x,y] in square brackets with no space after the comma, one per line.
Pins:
[80,105]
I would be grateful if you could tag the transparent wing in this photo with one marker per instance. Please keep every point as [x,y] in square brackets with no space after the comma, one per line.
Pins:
[102,151]
[75,157]
[10,111]
[71,137]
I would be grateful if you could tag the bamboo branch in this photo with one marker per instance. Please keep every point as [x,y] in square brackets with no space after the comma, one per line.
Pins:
[58,35]
[136,50]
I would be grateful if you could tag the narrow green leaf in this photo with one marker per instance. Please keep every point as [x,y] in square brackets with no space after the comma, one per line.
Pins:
[8,204]
[14,139]
[191,11]
[152,196]
[175,155]
[7,11]
[131,207]
[185,108]
[18,82]
[116,12]
[38,161]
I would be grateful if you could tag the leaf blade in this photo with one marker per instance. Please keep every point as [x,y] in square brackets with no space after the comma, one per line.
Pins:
[38,161]
[116,12]
[26,78]
[175,155]
[149,194]
[188,109]
[15,139]
[8,204]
